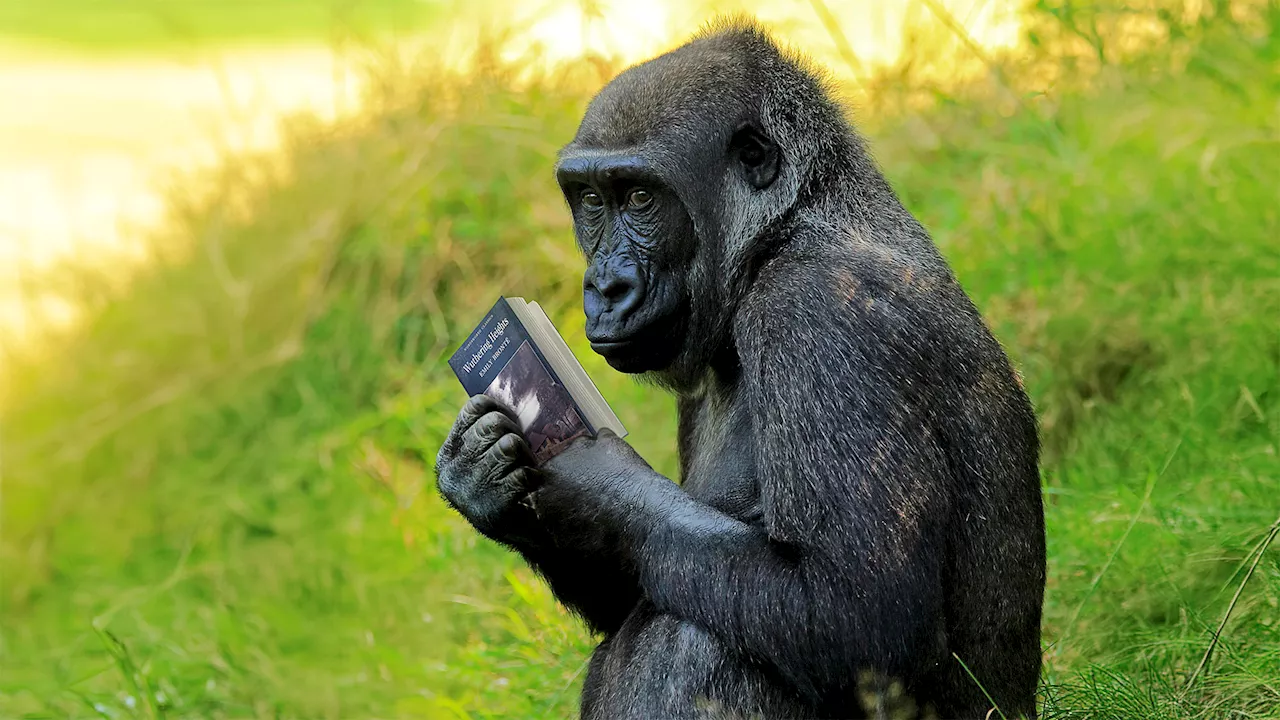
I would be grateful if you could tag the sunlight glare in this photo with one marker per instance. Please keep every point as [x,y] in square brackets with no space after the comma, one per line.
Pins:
[612,28]
[878,33]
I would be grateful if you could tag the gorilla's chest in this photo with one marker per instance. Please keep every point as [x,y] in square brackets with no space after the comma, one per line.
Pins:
[718,458]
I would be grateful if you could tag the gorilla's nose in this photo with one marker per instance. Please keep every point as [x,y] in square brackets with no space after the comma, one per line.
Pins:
[612,288]
[616,287]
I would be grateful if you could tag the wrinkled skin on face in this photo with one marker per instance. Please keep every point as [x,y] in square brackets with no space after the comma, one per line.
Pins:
[639,242]
[649,214]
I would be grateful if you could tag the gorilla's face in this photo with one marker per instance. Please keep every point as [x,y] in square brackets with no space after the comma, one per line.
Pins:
[670,178]
[639,242]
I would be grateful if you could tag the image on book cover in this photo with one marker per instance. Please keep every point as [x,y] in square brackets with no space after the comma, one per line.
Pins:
[546,412]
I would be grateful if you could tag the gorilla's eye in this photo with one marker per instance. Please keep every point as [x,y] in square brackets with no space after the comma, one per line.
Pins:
[591,199]
[639,198]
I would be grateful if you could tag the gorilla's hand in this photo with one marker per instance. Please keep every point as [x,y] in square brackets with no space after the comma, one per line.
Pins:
[592,461]
[485,470]
[592,485]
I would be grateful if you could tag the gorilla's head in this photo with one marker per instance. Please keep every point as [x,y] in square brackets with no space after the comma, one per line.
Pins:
[679,168]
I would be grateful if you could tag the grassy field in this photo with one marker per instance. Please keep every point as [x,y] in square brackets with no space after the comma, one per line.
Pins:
[215,499]
[132,25]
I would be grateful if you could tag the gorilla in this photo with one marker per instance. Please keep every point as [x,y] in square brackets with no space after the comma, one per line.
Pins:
[859,529]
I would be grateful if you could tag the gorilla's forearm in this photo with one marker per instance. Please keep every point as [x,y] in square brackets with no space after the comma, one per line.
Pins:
[807,610]
[600,590]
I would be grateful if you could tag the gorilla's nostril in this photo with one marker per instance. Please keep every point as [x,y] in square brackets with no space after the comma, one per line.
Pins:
[613,286]
[616,287]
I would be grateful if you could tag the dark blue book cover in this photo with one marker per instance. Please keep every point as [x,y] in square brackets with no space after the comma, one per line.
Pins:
[500,360]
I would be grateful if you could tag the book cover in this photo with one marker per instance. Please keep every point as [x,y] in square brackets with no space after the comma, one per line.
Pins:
[500,360]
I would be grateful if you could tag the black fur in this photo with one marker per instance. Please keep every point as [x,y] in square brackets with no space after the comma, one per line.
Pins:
[860,496]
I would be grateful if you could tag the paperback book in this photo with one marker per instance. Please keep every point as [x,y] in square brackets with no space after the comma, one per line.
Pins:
[516,356]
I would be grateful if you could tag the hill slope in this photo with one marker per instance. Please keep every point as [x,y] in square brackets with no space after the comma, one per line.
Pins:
[215,498]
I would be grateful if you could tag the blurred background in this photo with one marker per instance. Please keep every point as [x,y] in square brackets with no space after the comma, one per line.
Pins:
[238,240]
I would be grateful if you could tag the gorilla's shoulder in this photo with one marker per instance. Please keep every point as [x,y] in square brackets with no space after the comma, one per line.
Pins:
[847,297]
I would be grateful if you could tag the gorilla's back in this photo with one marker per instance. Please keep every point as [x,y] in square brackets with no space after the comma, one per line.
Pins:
[993,573]
[995,570]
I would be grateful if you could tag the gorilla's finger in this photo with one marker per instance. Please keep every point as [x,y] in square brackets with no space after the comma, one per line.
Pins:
[509,453]
[475,410]
[515,448]
[476,407]
[526,479]
[486,431]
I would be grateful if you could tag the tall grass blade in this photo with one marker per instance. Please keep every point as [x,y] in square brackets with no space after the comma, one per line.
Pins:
[978,682]
[1217,634]
[1115,552]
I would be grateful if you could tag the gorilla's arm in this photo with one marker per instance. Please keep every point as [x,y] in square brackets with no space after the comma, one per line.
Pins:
[485,470]
[846,572]
[594,585]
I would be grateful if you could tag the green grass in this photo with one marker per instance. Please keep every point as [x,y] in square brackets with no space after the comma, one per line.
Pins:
[216,501]
[131,25]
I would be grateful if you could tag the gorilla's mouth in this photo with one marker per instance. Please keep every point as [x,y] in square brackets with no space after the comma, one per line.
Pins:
[618,349]
[610,347]
[650,347]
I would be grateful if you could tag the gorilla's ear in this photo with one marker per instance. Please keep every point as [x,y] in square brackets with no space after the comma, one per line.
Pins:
[757,154]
